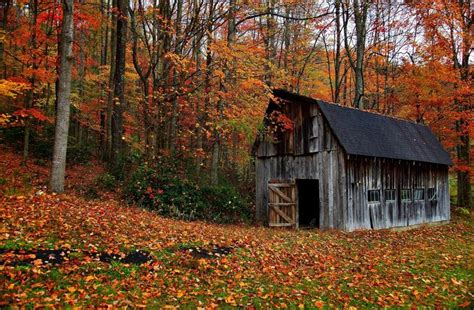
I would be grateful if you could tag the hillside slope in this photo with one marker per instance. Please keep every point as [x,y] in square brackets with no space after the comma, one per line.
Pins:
[65,249]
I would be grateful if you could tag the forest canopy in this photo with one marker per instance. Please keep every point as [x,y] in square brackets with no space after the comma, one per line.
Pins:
[190,79]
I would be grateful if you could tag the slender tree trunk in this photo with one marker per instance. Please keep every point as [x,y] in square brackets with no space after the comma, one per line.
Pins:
[118,105]
[269,40]
[337,56]
[3,32]
[360,11]
[464,108]
[63,94]
[104,8]
[360,23]
[177,50]
[228,76]
[31,95]
[207,89]
[111,87]
[199,128]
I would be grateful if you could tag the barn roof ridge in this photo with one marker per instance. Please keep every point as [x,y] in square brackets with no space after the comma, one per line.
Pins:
[377,135]
[317,100]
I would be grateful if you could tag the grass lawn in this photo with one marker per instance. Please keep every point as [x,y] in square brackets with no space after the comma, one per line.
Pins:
[428,266]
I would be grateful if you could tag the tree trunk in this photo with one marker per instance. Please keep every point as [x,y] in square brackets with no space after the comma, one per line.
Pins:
[199,113]
[360,10]
[104,8]
[63,94]
[360,24]
[177,50]
[111,87]
[463,148]
[3,32]
[119,84]
[31,94]
[229,69]
[463,125]
[269,41]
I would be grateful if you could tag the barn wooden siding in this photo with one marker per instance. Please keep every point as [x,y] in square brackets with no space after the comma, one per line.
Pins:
[311,151]
[320,158]
[364,174]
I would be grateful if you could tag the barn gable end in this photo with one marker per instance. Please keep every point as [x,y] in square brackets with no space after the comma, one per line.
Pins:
[309,151]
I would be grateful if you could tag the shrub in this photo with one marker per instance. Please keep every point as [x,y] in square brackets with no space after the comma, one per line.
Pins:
[106,181]
[91,193]
[173,196]
[463,212]
[79,153]
[42,143]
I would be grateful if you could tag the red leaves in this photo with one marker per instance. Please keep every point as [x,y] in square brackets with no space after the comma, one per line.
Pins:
[285,122]
[33,112]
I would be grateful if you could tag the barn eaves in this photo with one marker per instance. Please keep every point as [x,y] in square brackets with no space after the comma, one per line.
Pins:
[369,134]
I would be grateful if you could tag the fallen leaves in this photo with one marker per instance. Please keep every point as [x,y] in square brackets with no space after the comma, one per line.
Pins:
[201,265]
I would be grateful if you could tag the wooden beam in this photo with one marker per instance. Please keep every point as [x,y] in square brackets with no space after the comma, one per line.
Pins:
[280,224]
[282,203]
[283,215]
[279,193]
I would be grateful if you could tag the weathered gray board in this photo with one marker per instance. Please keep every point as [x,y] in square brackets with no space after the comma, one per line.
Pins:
[311,151]
[324,162]
[364,174]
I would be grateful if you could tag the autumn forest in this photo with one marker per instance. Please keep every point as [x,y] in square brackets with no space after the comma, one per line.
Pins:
[128,129]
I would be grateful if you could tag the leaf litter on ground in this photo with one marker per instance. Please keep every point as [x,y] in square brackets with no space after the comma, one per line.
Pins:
[198,264]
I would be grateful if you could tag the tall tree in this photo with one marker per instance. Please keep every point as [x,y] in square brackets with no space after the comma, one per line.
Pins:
[448,27]
[119,83]
[359,10]
[3,32]
[63,98]
[461,12]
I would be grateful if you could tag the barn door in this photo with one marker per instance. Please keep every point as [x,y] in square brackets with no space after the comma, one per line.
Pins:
[282,204]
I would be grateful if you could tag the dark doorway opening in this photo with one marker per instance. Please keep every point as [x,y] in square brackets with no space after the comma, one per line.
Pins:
[308,202]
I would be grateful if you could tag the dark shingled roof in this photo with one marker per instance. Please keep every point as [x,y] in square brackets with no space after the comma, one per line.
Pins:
[369,134]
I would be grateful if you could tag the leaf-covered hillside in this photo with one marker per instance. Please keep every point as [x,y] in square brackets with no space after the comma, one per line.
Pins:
[207,265]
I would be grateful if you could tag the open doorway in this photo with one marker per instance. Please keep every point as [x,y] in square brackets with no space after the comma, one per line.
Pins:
[308,202]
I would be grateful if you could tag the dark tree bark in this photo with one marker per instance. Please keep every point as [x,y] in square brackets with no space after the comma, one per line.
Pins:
[228,74]
[177,50]
[143,71]
[111,87]
[118,105]
[3,32]
[31,95]
[463,149]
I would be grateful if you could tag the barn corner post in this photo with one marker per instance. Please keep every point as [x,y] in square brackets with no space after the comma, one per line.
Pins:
[260,184]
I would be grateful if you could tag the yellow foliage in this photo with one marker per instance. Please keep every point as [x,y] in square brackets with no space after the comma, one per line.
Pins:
[12,89]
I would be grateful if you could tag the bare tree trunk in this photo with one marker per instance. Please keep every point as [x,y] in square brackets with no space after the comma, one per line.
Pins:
[463,149]
[104,7]
[31,95]
[119,84]
[360,10]
[177,50]
[229,68]
[63,94]
[111,87]
[337,57]
[3,31]
[269,41]
[199,128]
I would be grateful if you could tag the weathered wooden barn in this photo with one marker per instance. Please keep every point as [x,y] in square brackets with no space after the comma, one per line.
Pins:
[324,165]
